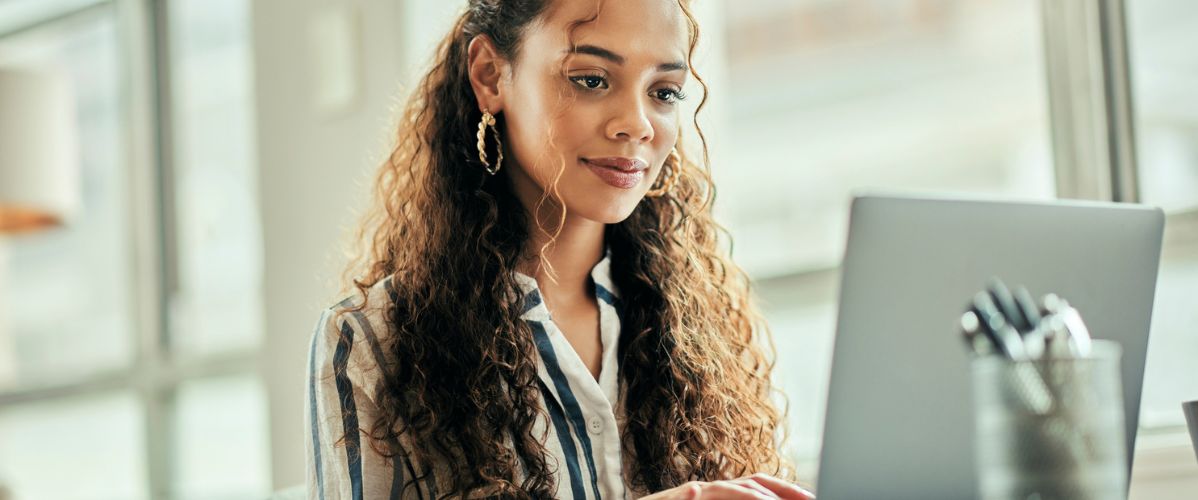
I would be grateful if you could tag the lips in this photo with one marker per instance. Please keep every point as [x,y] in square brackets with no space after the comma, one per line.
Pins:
[618,163]
[623,173]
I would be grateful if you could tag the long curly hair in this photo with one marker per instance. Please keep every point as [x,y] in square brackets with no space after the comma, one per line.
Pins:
[694,355]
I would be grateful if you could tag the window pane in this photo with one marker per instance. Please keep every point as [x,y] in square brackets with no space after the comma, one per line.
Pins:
[824,99]
[1165,72]
[86,448]
[65,294]
[222,444]
[1173,344]
[15,14]
[218,304]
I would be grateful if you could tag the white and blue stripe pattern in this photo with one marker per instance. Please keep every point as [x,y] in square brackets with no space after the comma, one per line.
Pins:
[346,366]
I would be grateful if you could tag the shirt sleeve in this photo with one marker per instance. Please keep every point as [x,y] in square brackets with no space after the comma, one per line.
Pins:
[342,374]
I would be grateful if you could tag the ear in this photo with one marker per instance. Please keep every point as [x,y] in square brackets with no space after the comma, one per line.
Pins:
[486,67]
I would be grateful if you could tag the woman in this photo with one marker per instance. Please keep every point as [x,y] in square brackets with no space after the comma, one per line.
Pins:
[542,310]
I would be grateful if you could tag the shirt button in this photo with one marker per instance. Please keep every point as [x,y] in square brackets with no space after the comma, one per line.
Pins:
[595,425]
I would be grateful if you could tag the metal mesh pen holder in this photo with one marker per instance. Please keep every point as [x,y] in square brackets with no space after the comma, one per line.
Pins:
[1050,428]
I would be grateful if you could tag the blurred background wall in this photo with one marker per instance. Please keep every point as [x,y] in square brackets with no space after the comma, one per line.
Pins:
[325,79]
[153,346]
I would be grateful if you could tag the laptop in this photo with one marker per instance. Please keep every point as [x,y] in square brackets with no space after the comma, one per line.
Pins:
[899,421]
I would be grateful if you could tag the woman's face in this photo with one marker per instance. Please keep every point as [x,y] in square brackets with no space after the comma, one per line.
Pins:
[610,121]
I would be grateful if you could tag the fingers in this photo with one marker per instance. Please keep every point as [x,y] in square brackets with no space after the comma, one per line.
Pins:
[688,491]
[730,490]
[783,489]
[755,486]
[678,493]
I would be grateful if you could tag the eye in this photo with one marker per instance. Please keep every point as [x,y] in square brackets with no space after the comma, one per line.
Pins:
[669,96]
[590,82]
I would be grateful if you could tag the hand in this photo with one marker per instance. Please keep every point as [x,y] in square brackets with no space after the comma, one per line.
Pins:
[756,486]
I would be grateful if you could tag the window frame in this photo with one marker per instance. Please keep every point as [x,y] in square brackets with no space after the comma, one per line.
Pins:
[155,373]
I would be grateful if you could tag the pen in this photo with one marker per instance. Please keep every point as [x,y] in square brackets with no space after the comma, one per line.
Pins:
[1007,305]
[1005,338]
[1033,338]
[1068,325]
[975,340]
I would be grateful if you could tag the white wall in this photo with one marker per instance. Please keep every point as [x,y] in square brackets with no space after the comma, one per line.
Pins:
[313,167]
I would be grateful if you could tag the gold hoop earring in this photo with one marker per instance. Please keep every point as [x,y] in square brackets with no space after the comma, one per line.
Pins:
[671,171]
[488,120]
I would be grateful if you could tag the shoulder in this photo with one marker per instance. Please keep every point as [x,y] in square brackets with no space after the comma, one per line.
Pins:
[362,317]
[348,336]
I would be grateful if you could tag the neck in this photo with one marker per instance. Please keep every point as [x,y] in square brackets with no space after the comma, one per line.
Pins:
[574,252]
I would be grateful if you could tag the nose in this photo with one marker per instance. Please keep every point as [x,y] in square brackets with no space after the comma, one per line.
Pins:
[630,122]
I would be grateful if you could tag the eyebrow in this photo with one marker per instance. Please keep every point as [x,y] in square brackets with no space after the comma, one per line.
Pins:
[618,59]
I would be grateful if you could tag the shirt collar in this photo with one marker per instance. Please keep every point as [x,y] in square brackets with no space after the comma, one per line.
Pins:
[534,304]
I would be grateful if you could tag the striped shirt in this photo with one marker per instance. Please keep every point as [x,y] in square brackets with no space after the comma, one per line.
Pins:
[581,430]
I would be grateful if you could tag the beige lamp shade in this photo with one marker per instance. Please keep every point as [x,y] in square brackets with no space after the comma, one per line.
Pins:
[39,154]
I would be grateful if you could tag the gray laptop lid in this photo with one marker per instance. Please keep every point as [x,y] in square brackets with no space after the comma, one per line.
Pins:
[899,422]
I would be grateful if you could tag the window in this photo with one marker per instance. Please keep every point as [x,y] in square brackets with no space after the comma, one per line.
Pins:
[78,448]
[220,443]
[217,305]
[118,378]
[219,427]
[1164,74]
[826,98]
[68,297]
[20,14]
